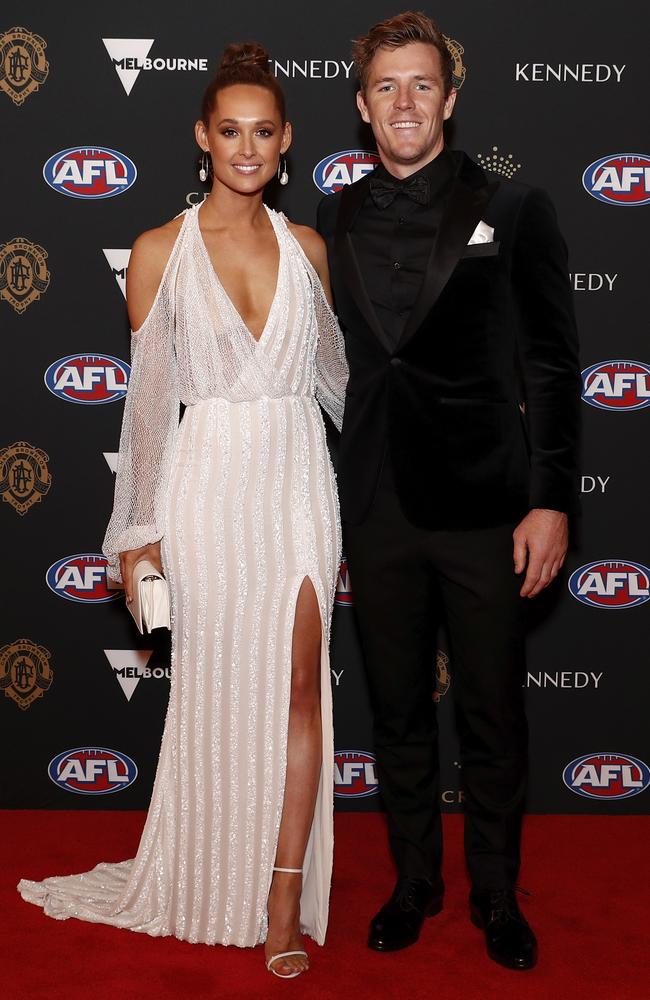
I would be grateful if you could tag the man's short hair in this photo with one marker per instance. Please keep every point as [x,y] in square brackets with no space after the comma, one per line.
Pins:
[393,33]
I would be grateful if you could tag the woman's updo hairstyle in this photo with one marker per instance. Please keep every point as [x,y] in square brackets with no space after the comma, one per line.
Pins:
[243,62]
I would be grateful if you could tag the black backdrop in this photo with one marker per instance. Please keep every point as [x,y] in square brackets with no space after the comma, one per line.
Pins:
[548,90]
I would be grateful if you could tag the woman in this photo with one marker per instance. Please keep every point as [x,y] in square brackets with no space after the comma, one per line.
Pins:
[239,507]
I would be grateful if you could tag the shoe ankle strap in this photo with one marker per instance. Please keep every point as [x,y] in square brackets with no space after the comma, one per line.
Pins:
[292,871]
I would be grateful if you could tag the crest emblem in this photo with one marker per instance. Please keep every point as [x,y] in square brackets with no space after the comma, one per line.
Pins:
[25,672]
[458,72]
[24,276]
[24,476]
[443,678]
[23,66]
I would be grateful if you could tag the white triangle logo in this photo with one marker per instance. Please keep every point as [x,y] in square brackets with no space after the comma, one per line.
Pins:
[129,665]
[111,459]
[118,261]
[128,55]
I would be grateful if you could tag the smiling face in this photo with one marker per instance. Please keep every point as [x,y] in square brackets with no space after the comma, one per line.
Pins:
[245,137]
[405,104]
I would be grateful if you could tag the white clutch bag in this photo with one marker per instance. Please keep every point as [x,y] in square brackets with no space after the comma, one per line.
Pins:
[150,604]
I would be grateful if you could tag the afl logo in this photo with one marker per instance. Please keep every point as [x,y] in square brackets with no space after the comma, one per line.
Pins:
[619,179]
[90,172]
[355,776]
[611,584]
[338,169]
[92,771]
[617,385]
[606,776]
[343,594]
[82,578]
[88,378]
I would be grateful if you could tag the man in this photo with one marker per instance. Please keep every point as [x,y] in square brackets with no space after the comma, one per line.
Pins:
[455,300]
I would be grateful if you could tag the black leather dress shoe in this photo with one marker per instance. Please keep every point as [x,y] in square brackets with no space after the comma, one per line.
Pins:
[509,939]
[398,923]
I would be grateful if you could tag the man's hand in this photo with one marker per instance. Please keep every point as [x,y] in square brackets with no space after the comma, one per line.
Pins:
[541,541]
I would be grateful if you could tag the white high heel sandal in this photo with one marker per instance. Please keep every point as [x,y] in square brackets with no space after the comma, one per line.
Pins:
[286,954]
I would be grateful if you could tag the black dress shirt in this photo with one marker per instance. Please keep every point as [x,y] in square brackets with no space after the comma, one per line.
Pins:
[393,244]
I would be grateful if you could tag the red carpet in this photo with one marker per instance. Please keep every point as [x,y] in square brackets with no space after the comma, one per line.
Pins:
[590,909]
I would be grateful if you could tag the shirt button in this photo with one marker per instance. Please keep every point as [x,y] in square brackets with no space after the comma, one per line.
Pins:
[397,265]
[401,220]
[395,362]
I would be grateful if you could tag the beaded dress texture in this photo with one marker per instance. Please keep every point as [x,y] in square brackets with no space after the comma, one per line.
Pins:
[243,496]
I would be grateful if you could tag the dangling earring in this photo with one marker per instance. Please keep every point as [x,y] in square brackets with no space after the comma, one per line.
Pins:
[203,170]
[283,176]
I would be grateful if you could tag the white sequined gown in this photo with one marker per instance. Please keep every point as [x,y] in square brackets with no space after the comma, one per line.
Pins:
[244,498]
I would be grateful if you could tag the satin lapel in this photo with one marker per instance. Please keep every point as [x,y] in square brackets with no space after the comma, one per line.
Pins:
[464,211]
[351,200]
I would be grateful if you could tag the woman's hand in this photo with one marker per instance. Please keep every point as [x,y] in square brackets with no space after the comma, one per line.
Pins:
[128,560]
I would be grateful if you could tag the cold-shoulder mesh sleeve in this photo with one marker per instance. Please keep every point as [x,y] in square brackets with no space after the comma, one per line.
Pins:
[147,439]
[331,365]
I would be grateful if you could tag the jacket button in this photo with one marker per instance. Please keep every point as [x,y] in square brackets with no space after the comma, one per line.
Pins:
[395,362]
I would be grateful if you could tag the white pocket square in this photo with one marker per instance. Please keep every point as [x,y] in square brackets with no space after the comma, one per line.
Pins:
[482,234]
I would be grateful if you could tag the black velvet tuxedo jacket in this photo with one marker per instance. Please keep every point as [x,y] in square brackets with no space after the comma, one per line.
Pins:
[493,327]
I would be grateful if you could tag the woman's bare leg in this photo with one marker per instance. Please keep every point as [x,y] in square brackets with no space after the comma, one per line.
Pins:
[304,757]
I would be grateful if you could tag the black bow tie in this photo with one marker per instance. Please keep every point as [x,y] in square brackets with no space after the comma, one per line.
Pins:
[384,189]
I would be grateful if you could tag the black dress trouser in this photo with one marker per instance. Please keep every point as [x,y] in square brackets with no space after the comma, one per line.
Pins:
[405,581]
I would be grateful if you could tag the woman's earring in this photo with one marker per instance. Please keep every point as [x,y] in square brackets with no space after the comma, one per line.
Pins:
[203,170]
[283,176]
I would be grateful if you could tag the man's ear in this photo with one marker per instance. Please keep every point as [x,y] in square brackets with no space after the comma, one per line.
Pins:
[361,104]
[450,100]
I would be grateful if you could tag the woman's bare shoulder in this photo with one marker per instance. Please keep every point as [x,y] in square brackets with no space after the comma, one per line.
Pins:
[315,250]
[149,256]
[312,244]
[155,245]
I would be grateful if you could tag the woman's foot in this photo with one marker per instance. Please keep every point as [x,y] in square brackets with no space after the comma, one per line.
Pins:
[284,924]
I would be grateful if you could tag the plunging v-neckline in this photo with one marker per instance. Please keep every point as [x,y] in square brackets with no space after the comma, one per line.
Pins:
[256,340]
